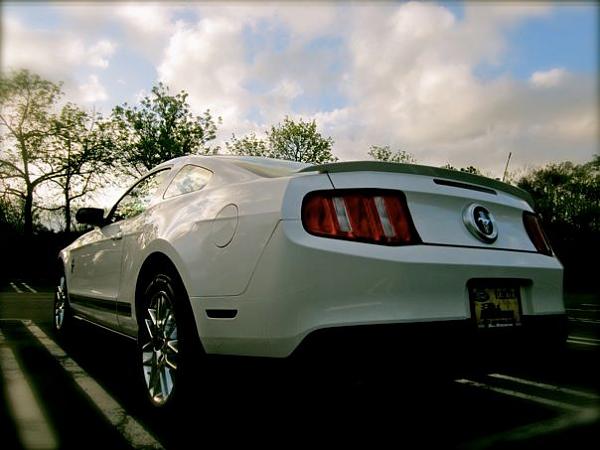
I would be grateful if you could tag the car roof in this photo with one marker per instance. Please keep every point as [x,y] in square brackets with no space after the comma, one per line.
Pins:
[257,165]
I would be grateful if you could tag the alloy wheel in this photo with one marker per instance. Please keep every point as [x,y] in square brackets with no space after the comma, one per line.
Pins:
[60,302]
[160,348]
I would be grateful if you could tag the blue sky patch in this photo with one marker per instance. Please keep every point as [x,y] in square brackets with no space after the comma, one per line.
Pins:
[565,38]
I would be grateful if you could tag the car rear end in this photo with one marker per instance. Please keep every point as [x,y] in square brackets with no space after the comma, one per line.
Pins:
[389,258]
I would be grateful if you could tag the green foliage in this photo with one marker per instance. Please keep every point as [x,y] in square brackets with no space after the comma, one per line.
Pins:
[26,120]
[471,169]
[290,140]
[26,101]
[567,195]
[11,215]
[300,141]
[162,127]
[248,146]
[83,149]
[468,169]
[384,153]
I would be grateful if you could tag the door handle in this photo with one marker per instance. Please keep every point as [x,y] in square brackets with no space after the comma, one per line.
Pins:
[117,236]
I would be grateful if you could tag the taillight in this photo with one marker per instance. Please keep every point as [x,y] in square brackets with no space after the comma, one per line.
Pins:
[536,233]
[366,215]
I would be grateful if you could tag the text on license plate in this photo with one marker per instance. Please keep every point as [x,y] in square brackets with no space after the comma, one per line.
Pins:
[495,307]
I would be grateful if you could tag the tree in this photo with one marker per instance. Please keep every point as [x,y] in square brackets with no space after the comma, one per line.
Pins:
[11,219]
[248,146]
[567,197]
[468,169]
[83,151]
[471,169]
[162,127]
[291,140]
[25,125]
[299,141]
[384,153]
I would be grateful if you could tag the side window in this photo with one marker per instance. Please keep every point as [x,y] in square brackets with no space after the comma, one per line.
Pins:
[189,179]
[139,197]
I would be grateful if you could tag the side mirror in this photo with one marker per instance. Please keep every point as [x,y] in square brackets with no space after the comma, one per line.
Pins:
[90,216]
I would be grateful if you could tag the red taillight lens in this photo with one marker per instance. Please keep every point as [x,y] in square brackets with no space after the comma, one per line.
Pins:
[371,215]
[536,233]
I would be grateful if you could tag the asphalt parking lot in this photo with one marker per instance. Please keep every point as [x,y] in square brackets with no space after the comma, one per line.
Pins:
[79,394]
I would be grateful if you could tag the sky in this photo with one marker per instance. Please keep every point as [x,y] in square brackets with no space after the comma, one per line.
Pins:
[449,82]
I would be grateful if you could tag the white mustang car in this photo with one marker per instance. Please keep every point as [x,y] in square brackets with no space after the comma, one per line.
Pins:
[259,257]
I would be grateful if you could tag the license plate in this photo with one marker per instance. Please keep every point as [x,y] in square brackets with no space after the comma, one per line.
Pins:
[496,307]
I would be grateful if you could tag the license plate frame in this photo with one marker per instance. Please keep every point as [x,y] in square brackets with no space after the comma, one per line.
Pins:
[495,304]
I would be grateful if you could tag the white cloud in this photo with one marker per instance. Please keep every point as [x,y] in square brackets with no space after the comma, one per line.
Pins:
[146,18]
[404,74]
[210,60]
[412,85]
[303,21]
[287,90]
[53,53]
[408,77]
[549,78]
[146,26]
[92,90]
[99,54]
[307,21]
[206,60]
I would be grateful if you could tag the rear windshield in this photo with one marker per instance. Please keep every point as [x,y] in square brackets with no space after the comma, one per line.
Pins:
[269,168]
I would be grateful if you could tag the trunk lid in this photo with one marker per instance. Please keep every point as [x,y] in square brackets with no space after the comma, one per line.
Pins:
[440,202]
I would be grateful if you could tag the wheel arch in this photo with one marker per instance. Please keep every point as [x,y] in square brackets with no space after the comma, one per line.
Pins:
[60,268]
[61,261]
[154,262]
[157,261]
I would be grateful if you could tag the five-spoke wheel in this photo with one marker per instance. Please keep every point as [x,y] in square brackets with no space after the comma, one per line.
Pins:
[61,307]
[168,346]
[159,346]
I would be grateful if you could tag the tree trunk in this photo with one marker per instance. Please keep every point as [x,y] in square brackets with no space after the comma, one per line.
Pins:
[67,209]
[67,190]
[28,212]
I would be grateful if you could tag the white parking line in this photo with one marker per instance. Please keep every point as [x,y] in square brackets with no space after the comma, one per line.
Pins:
[29,287]
[583,338]
[32,427]
[130,428]
[577,319]
[583,310]
[521,395]
[15,287]
[527,432]
[546,386]
[575,341]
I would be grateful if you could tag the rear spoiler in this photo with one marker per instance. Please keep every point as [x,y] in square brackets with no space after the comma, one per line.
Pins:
[415,169]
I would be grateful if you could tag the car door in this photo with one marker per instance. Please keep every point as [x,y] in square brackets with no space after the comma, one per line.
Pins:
[96,266]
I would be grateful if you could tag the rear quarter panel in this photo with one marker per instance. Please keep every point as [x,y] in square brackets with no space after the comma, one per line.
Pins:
[185,229]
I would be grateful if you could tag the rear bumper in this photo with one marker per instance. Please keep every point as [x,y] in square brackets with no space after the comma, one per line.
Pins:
[449,339]
[304,287]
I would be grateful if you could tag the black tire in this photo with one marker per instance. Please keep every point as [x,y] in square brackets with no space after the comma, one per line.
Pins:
[168,348]
[62,318]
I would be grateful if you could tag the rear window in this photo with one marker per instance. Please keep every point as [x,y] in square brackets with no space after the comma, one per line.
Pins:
[189,179]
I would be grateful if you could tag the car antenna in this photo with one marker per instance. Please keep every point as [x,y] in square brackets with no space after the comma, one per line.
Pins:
[506,167]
